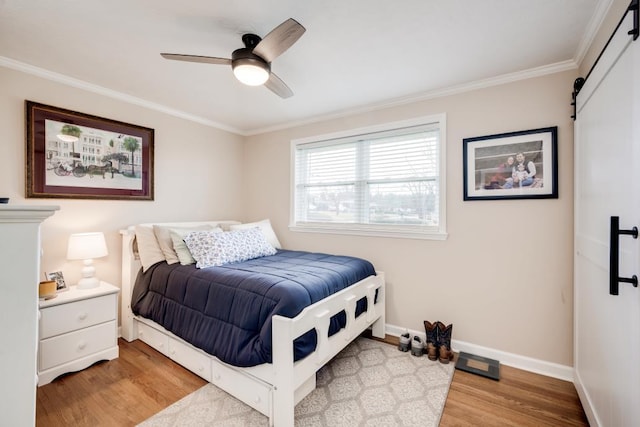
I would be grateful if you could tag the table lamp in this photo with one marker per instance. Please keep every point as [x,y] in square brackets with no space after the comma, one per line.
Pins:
[87,246]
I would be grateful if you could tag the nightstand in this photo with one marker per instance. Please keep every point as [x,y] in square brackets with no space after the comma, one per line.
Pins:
[77,328]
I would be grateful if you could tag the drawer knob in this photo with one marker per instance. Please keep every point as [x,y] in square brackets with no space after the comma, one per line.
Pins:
[82,316]
[216,376]
[82,345]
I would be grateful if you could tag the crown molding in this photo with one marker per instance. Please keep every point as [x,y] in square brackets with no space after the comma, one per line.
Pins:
[437,93]
[100,90]
[600,13]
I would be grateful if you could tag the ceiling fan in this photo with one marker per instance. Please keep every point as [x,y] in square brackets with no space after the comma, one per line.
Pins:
[252,63]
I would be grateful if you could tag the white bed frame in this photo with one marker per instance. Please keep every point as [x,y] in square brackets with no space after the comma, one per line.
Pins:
[271,388]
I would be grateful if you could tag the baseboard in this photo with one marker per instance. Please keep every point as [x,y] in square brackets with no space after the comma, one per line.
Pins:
[585,399]
[525,363]
[537,366]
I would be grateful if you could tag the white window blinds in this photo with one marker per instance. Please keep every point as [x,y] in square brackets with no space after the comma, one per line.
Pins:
[381,180]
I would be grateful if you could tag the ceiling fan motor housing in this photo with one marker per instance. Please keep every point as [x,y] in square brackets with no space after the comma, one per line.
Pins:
[250,68]
[245,56]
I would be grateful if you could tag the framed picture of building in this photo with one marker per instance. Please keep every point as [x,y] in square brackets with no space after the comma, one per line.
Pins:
[76,155]
[514,165]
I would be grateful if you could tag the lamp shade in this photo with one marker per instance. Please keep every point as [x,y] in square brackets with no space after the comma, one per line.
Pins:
[87,246]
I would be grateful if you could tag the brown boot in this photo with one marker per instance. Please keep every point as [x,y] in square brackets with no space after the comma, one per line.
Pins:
[444,342]
[431,329]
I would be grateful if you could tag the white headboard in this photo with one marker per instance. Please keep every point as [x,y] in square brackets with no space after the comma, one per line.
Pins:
[131,265]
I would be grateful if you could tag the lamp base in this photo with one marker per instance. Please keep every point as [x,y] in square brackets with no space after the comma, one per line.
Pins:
[88,283]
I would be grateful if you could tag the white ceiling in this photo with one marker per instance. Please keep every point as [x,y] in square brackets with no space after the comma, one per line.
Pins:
[355,54]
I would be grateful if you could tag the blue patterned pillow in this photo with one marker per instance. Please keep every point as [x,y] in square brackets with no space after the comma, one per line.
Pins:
[210,249]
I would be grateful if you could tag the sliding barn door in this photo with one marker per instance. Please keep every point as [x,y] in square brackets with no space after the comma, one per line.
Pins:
[607,184]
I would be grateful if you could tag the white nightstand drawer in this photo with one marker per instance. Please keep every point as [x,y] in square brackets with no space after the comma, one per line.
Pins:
[64,348]
[63,318]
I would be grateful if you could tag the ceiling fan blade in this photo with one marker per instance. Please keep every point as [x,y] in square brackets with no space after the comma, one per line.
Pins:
[277,86]
[279,39]
[196,58]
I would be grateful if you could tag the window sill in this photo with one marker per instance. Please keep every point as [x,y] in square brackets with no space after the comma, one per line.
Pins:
[371,232]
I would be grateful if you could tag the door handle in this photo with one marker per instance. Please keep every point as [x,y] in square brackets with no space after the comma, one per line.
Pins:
[614,253]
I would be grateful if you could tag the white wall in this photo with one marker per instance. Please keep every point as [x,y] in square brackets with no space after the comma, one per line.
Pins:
[513,300]
[504,275]
[198,172]
[516,301]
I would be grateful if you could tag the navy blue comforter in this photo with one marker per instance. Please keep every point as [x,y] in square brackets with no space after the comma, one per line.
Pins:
[226,311]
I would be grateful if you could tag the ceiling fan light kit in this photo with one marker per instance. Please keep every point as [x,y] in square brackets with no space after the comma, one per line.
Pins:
[251,74]
[252,64]
[249,68]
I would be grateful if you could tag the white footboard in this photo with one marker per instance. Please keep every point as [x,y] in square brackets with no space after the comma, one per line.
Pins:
[273,389]
[289,376]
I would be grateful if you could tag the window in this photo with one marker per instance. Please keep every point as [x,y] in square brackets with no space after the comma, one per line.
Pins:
[386,181]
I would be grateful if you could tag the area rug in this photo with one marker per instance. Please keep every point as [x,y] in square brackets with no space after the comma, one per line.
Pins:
[369,383]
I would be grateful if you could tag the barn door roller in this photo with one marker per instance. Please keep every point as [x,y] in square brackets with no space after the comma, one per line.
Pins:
[635,8]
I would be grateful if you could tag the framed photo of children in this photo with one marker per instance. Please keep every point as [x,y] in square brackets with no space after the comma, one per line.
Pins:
[514,165]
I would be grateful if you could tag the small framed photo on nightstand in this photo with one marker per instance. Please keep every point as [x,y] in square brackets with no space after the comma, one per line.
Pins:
[59,278]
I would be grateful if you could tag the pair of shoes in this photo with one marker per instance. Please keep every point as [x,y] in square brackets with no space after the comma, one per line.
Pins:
[405,342]
[417,346]
[438,344]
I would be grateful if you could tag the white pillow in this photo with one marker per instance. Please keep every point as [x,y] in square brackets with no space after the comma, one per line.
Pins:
[163,235]
[148,248]
[212,249]
[267,230]
[181,249]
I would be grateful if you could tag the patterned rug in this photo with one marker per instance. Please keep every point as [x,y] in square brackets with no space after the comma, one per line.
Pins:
[369,383]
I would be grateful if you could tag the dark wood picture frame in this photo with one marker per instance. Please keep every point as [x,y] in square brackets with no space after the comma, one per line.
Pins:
[80,156]
[514,165]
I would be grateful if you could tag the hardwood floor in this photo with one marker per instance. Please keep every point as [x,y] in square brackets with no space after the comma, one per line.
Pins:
[520,399]
[122,392]
[141,382]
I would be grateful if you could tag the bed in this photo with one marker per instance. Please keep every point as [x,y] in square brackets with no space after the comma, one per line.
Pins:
[289,350]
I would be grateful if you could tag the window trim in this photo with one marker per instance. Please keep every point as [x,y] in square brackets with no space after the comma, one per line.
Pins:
[403,231]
